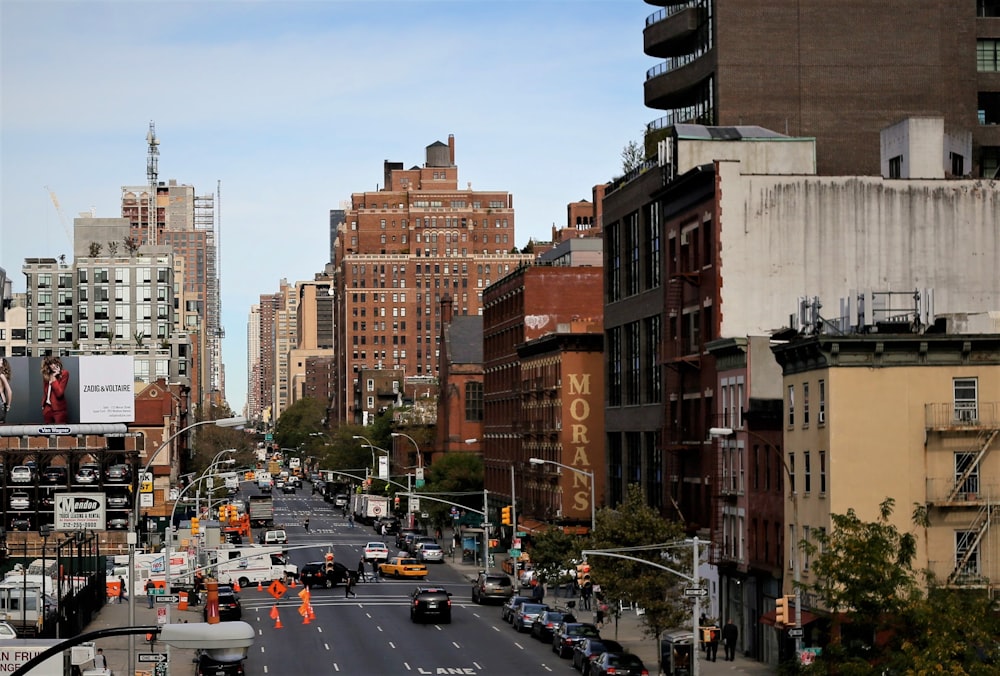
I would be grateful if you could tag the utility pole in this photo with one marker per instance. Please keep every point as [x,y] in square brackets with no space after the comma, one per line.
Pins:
[486,530]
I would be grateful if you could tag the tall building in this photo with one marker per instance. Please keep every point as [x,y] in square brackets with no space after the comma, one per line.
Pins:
[254,409]
[185,222]
[398,251]
[837,72]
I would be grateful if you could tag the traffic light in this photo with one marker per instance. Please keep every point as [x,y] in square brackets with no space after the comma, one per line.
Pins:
[395,502]
[223,512]
[194,525]
[329,569]
[781,615]
[505,516]
[583,574]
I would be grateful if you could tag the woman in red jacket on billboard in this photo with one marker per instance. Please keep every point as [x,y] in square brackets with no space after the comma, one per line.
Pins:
[55,380]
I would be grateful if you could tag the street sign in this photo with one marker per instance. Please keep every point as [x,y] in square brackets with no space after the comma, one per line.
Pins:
[146,482]
[795,632]
[80,511]
[152,657]
[487,524]
[514,553]
[163,615]
[167,598]
[268,437]
[695,591]
[145,499]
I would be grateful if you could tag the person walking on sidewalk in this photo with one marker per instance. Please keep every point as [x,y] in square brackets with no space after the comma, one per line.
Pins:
[121,589]
[713,644]
[730,634]
[375,571]
[306,524]
[150,590]
[100,661]
[361,570]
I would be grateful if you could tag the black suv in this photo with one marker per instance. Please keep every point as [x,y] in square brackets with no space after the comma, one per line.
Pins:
[314,574]
[430,602]
[492,586]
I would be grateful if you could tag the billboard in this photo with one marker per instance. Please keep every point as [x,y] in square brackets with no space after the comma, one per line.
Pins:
[67,390]
[80,511]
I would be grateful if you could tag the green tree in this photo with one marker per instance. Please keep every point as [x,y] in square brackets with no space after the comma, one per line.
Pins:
[636,526]
[633,155]
[207,441]
[552,552]
[298,421]
[457,477]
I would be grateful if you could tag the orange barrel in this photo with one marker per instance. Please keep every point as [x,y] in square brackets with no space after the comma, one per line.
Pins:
[183,603]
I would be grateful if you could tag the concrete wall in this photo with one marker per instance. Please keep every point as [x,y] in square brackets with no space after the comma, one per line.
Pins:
[772,156]
[784,237]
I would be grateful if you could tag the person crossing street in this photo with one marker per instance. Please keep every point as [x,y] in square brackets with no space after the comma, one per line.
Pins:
[305,524]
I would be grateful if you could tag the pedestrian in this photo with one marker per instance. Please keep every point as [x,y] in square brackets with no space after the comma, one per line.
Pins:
[585,593]
[599,614]
[361,569]
[437,533]
[730,634]
[349,586]
[537,591]
[121,589]
[375,570]
[713,643]
[350,521]
[150,590]
[100,661]
[306,524]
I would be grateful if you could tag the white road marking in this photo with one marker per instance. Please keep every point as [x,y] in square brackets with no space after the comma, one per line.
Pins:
[378,627]
[265,668]
[326,645]
[319,629]
[519,645]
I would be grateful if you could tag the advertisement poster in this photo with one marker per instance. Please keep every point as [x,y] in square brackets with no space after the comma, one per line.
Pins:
[67,390]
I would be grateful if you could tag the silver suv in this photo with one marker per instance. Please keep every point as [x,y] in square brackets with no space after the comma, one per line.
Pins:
[492,586]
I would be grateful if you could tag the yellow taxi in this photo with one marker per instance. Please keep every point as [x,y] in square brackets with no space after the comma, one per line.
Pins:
[398,566]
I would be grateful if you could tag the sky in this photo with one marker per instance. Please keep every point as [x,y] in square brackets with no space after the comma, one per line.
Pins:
[286,108]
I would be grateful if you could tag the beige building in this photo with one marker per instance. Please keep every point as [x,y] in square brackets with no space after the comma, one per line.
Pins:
[913,417]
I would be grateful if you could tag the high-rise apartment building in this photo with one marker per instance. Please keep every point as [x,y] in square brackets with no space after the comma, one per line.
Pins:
[835,71]
[253,406]
[398,251]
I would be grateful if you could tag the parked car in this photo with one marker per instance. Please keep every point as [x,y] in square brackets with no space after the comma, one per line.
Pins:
[427,602]
[430,552]
[492,587]
[510,608]
[415,542]
[568,634]
[526,615]
[400,567]
[20,501]
[119,474]
[117,501]
[118,524]
[55,474]
[590,649]
[314,574]
[20,523]
[547,622]
[618,664]
[230,608]
[401,537]
[376,551]
[273,537]
[88,474]
[21,475]
[48,499]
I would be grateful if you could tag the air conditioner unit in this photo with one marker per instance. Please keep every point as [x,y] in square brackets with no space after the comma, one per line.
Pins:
[966,415]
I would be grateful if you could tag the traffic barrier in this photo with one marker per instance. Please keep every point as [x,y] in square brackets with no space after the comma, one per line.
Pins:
[182,603]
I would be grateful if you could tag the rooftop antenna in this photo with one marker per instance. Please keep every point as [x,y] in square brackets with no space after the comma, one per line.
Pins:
[152,173]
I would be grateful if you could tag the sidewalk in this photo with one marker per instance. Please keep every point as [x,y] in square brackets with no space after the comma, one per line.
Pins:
[629,631]
[116,647]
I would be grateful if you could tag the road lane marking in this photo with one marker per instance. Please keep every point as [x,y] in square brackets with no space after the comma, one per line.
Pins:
[326,645]
[477,665]
[378,627]
[319,629]
[456,645]
[265,668]
[519,645]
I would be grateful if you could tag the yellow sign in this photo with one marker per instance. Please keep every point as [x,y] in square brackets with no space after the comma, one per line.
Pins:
[146,483]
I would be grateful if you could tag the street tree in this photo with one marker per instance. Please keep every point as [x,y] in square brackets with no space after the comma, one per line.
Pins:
[552,552]
[457,474]
[639,530]
[298,421]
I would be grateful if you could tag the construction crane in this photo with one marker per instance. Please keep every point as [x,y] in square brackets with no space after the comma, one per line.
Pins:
[62,216]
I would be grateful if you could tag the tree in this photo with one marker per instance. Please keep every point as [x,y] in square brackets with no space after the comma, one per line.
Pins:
[552,552]
[634,524]
[455,476]
[94,249]
[298,421]
[633,155]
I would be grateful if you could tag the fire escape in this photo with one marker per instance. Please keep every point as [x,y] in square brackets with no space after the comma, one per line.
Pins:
[976,430]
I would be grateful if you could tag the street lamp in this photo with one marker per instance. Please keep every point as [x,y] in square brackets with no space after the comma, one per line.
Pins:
[590,475]
[133,536]
[719,432]
[420,457]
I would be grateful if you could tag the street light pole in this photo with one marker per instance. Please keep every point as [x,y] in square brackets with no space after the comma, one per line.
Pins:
[133,535]
[420,457]
[590,475]
[793,496]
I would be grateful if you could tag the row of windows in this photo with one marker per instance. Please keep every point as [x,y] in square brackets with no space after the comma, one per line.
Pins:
[442,222]
[805,413]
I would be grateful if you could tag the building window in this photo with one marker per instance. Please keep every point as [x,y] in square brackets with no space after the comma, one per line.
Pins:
[807,471]
[966,553]
[987,55]
[805,404]
[966,391]
[966,475]
[822,472]
[822,403]
[613,243]
[896,166]
[791,472]
[791,405]
[615,366]
[474,401]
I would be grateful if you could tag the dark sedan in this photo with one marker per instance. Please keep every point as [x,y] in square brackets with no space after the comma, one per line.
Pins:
[618,664]
[509,609]
[546,623]
[568,634]
[590,649]
[315,574]
[526,614]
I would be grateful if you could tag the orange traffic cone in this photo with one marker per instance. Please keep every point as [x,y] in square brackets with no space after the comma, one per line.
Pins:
[260,587]
[312,615]
[236,587]
[305,619]
[293,583]
[277,623]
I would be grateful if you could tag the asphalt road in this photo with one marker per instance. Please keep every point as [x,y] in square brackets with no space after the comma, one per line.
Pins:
[372,634]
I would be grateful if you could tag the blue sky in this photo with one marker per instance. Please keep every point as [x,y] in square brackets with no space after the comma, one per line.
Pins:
[295,105]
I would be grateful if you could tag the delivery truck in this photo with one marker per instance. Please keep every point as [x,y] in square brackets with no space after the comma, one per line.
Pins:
[251,565]
[15,653]
[261,511]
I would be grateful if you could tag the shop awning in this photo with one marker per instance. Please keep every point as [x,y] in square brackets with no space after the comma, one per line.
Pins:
[807,617]
[532,526]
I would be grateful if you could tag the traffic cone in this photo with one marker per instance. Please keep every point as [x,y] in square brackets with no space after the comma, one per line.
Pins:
[293,583]
[312,615]
[260,587]
[277,623]
[305,619]
[274,612]
[236,587]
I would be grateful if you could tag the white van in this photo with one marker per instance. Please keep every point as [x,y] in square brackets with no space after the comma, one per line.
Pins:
[274,537]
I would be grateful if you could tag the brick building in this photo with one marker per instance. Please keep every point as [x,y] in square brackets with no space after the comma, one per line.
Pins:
[460,401]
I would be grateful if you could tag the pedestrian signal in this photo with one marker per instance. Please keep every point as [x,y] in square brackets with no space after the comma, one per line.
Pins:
[505,516]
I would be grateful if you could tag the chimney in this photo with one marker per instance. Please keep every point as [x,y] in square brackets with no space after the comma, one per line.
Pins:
[451,149]
[446,309]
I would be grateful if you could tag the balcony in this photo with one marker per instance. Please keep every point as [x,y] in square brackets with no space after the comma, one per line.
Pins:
[679,81]
[672,31]
[973,493]
[948,417]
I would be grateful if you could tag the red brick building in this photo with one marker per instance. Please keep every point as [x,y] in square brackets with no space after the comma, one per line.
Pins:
[460,401]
